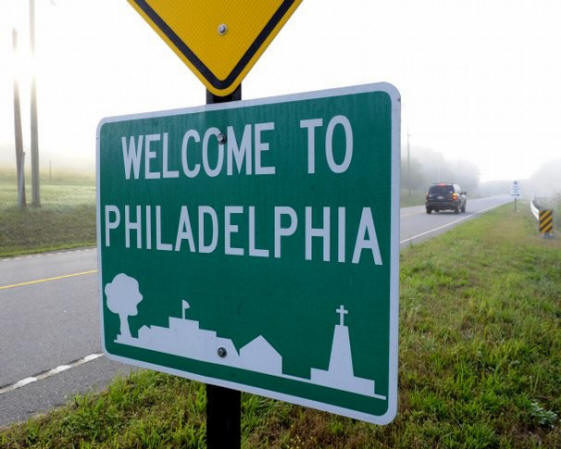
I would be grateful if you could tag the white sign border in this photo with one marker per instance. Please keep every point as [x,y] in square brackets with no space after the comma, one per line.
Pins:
[395,98]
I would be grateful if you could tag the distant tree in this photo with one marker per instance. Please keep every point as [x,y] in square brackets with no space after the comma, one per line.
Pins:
[123,297]
[429,166]
[546,181]
[412,178]
[466,174]
[434,168]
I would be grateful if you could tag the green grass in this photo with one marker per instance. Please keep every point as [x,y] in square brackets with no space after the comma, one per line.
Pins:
[66,218]
[479,364]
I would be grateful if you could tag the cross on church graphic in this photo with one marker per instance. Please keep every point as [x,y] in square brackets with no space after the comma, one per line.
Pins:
[183,337]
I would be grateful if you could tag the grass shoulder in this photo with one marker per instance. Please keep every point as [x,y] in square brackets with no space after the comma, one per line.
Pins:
[66,218]
[479,364]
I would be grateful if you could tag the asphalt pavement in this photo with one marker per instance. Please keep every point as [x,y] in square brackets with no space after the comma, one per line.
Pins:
[49,321]
[416,225]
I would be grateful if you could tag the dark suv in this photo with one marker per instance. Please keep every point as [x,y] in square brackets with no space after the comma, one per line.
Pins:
[445,197]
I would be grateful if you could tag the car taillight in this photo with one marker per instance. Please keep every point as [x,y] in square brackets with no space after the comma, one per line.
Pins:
[454,196]
[427,196]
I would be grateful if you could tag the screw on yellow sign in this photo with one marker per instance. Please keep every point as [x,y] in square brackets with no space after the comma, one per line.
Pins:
[219,40]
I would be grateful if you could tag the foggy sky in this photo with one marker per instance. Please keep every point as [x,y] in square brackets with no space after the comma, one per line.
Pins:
[479,80]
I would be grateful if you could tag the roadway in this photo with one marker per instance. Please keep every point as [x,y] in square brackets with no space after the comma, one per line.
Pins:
[416,225]
[49,325]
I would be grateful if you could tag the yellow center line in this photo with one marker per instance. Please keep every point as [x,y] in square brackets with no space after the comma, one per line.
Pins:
[40,281]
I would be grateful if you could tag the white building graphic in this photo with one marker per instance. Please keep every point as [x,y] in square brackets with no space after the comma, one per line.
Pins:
[340,374]
[183,337]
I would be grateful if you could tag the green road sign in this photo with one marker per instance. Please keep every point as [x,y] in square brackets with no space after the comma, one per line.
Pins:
[254,245]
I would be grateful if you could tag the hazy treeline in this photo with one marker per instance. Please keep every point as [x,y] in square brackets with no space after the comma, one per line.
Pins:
[501,187]
[545,186]
[544,183]
[427,167]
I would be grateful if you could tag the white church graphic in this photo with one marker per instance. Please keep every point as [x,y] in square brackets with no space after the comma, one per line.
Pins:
[185,338]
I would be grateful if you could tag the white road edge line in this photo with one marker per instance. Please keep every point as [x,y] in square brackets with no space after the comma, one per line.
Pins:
[430,231]
[46,374]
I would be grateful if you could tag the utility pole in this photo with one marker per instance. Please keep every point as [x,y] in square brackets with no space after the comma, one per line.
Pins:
[18,134]
[35,196]
[408,164]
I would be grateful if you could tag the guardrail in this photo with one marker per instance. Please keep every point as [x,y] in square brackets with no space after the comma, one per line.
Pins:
[544,217]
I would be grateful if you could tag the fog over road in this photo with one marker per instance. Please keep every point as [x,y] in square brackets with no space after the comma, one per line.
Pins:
[49,320]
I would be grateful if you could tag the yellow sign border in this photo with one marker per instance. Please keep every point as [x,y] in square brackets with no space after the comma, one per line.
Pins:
[215,85]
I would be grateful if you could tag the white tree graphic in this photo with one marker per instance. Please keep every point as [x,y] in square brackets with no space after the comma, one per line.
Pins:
[123,296]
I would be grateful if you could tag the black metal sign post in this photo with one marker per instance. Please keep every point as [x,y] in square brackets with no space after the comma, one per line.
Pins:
[223,418]
[223,406]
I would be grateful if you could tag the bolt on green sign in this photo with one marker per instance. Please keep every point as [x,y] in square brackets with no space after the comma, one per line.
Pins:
[254,245]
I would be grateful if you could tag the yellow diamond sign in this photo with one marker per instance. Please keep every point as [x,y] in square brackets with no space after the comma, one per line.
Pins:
[219,40]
